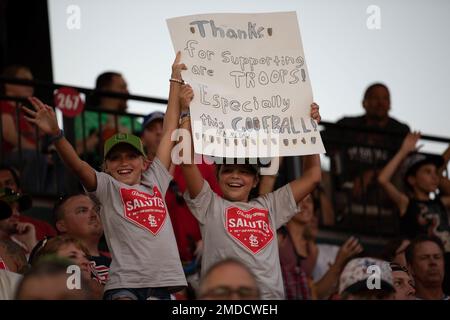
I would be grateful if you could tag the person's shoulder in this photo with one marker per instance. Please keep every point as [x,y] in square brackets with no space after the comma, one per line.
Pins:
[394,123]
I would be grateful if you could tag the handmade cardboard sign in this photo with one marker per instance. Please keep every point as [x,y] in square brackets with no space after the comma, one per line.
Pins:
[251,84]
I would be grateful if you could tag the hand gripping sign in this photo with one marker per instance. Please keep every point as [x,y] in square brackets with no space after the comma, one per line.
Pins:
[251,84]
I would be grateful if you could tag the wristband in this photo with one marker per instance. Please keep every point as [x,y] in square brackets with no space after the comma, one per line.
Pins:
[59,136]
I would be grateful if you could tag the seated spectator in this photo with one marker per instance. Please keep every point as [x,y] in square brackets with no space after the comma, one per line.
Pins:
[23,233]
[10,179]
[299,256]
[358,282]
[36,168]
[394,251]
[77,216]
[68,247]
[403,283]
[358,154]
[425,257]
[48,279]
[13,263]
[110,124]
[229,279]
[185,226]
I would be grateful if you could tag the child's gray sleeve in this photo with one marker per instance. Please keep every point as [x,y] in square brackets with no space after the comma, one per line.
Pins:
[282,205]
[202,203]
[101,193]
[157,174]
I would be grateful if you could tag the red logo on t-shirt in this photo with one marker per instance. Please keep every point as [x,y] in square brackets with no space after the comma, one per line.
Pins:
[251,227]
[146,210]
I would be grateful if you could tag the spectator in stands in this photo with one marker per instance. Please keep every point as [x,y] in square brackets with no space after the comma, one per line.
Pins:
[425,257]
[419,213]
[65,246]
[36,168]
[358,154]
[146,262]
[23,233]
[299,256]
[152,133]
[111,124]
[10,179]
[403,282]
[13,264]
[229,279]
[48,279]
[78,216]
[366,279]
[8,111]
[225,221]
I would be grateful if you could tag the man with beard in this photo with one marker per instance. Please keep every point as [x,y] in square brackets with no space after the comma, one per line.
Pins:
[77,216]
[425,257]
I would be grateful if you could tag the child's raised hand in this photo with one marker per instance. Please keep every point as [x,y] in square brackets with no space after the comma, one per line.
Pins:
[410,141]
[315,112]
[186,96]
[177,67]
[44,117]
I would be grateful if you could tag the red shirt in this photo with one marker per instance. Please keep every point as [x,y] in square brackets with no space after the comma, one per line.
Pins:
[27,130]
[185,226]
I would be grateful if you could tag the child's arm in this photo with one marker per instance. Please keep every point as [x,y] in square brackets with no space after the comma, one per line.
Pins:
[44,117]
[192,175]
[312,173]
[172,114]
[384,178]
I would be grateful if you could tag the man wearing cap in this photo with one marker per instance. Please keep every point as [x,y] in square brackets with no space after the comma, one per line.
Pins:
[152,133]
[366,279]
[403,282]
[23,233]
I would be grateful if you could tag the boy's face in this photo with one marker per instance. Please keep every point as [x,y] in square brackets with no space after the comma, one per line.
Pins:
[236,181]
[125,164]
[72,252]
[426,178]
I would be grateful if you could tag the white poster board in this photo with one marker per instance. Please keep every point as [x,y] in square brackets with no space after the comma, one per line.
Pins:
[251,84]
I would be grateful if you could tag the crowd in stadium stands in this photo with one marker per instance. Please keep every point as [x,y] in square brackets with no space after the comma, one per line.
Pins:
[132,225]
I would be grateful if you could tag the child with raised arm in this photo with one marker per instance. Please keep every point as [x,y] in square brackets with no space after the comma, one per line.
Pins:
[419,213]
[145,260]
[234,226]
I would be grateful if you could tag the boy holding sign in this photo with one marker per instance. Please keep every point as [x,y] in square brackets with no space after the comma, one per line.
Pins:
[145,260]
[233,226]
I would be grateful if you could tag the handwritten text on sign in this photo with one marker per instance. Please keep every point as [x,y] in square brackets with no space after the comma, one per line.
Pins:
[251,84]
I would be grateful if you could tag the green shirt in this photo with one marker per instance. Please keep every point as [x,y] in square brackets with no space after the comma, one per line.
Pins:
[91,120]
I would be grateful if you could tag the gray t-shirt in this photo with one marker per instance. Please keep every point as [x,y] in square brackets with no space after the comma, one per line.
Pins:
[139,232]
[245,231]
